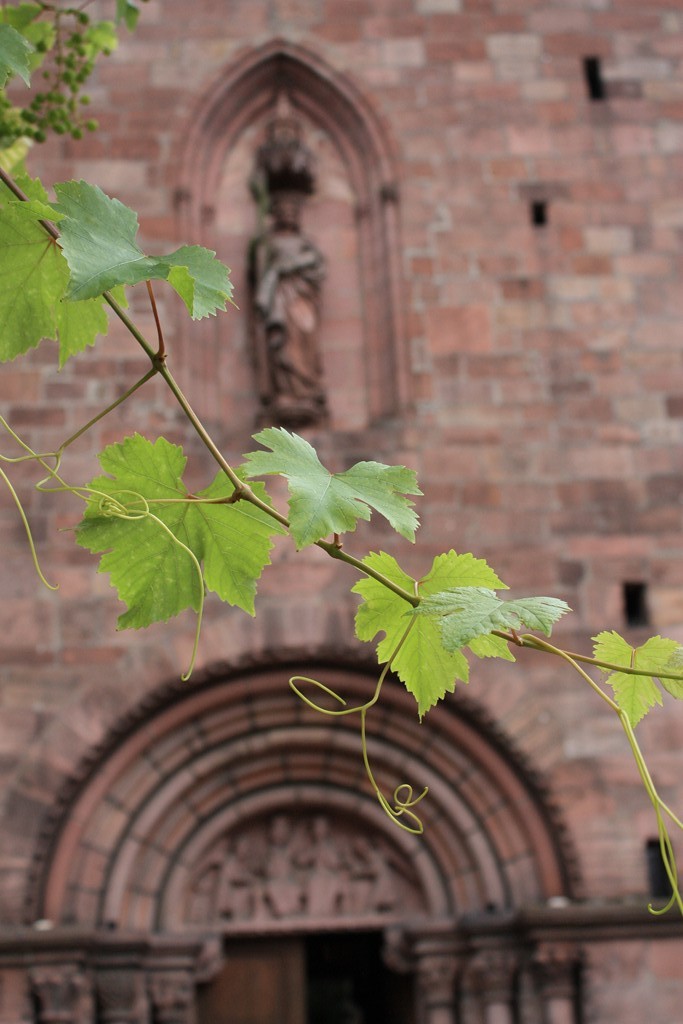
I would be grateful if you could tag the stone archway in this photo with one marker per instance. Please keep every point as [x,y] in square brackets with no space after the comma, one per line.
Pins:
[235,811]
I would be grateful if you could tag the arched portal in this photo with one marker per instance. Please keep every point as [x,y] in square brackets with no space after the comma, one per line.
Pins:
[234,810]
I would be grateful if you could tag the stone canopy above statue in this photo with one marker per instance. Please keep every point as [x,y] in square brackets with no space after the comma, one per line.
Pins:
[286,272]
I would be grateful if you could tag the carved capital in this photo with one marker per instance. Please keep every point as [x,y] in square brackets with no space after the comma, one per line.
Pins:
[436,974]
[554,966]
[172,996]
[121,997]
[491,974]
[62,993]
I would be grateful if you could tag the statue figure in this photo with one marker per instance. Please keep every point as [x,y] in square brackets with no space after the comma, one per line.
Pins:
[286,272]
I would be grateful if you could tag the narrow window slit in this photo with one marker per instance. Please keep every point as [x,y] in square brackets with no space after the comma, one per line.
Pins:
[539,213]
[595,83]
[635,604]
[658,880]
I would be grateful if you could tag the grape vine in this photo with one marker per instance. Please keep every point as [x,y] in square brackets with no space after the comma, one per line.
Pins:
[66,264]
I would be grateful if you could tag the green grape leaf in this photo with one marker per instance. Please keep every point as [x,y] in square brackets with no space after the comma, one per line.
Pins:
[15,52]
[34,275]
[199,279]
[13,156]
[79,324]
[675,686]
[152,574]
[491,647]
[233,541]
[424,666]
[100,37]
[127,12]
[24,18]
[452,570]
[465,613]
[145,551]
[323,503]
[636,694]
[98,240]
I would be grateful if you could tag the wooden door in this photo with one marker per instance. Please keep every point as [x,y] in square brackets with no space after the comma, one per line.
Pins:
[262,982]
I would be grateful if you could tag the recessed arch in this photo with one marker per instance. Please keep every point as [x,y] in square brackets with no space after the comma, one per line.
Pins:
[197,766]
[243,94]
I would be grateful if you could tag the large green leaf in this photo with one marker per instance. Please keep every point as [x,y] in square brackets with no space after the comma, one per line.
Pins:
[33,302]
[323,503]
[34,279]
[15,53]
[423,664]
[79,324]
[636,694]
[465,613]
[25,18]
[98,238]
[144,548]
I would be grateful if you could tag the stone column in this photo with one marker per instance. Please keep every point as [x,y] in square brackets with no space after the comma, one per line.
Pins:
[437,965]
[554,969]
[172,996]
[491,973]
[62,993]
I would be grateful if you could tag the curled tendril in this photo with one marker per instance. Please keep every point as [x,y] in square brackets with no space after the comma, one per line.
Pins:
[400,811]
[29,535]
[403,807]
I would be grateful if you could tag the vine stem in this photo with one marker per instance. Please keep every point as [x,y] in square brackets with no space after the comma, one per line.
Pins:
[158,360]
[534,643]
[105,412]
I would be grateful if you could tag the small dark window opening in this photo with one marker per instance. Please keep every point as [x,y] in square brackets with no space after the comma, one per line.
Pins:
[539,213]
[635,604]
[658,880]
[595,83]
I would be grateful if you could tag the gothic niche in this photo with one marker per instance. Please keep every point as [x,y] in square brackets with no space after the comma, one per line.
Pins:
[285,273]
[293,867]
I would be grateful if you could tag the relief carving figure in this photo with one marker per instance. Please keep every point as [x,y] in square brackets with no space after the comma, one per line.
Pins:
[292,867]
[286,272]
[283,888]
[235,889]
[374,879]
[326,885]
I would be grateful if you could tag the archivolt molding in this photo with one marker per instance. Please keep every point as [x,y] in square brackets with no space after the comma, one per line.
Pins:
[241,96]
[176,783]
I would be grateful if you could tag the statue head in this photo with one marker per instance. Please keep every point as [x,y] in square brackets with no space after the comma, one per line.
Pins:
[285,209]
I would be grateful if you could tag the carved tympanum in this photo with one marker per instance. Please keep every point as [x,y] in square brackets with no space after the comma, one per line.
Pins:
[291,867]
[286,272]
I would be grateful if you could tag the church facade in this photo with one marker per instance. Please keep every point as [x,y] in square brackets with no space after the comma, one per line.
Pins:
[455,234]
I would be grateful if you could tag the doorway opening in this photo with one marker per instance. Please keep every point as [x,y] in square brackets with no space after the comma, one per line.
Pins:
[348,982]
[322,978]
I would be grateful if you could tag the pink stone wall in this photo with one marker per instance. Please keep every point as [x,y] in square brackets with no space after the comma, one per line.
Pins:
[544,384]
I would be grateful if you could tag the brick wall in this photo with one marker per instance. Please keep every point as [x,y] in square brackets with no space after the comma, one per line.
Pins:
[545,372]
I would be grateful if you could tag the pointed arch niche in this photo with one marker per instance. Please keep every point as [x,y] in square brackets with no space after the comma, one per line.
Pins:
[352,218]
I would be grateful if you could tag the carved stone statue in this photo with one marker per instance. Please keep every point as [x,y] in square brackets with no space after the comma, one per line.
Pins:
[286,272]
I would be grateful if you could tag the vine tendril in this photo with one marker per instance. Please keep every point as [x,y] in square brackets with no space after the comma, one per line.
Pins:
[402,804]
